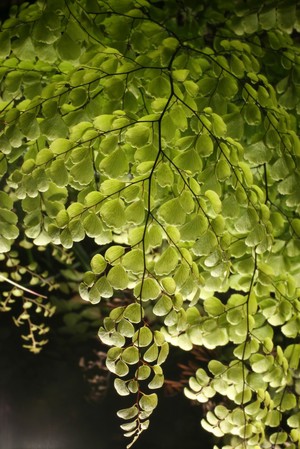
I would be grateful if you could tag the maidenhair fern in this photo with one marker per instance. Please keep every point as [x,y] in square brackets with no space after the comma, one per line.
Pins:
[167,132]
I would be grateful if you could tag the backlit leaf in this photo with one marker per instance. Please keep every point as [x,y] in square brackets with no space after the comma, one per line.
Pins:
[147,289]
[128,413]
[163,306]
[134,261]
[167,261]
[113,213]
[138,136]
[134,313]
[204,145]
[115,164]
[143,337]
[117,277]
[58,172]
[130,355]
[148,402]
[172,212]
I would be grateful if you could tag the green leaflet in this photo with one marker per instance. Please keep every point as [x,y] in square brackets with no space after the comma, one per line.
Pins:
[128,413]
[134,313]
[227,86]
[148,402]
[156,382]
[130,355]
[59,173]
[159,87]
[135,212]
[167,262]
[204,145]
[189,161]
[169,285]
[113,254]
[125,328]
[163,306]
[138,136]
[143,337]
[54,128]
[113,214]
[98,264]
[29,126]
[67,48]
[147,289]
[194,228]
[205,244]
[115,165]
[117,277]
[83,171]
[134,261]
[219,127]
[92,225]
[164,175]
[214,306]
[5,44]
[214,200]
[172,212]
[252,114]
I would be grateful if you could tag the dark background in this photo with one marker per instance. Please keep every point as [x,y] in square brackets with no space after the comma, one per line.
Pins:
[44,405]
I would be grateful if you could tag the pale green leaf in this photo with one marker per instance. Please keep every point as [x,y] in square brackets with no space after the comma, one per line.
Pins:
[219,127]
[103,287]
[172,212]
[151,354]
[130,355]
[115,165]
[204,145]
[83,171]
[92,225]
[114,253]
[214,306]
[134,313]
[143,372]
[113,213]
[205,244]
[59,173]
[98,264]
[138,135]
[128,413]
[163,353]
[142,337]
[121,387]
[214,200]
[189,161]
[148,402]
[125,328]
[134,261]
[135,212]
[117,277]
[169,285]
[147,289]
[55,128]
[156,382]
[163,306]
[167,261]
[164,175]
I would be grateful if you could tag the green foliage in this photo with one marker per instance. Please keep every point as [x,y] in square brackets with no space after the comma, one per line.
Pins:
[167,135]
[18,295]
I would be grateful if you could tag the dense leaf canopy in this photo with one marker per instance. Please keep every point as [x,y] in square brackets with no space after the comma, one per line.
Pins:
[167,133]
